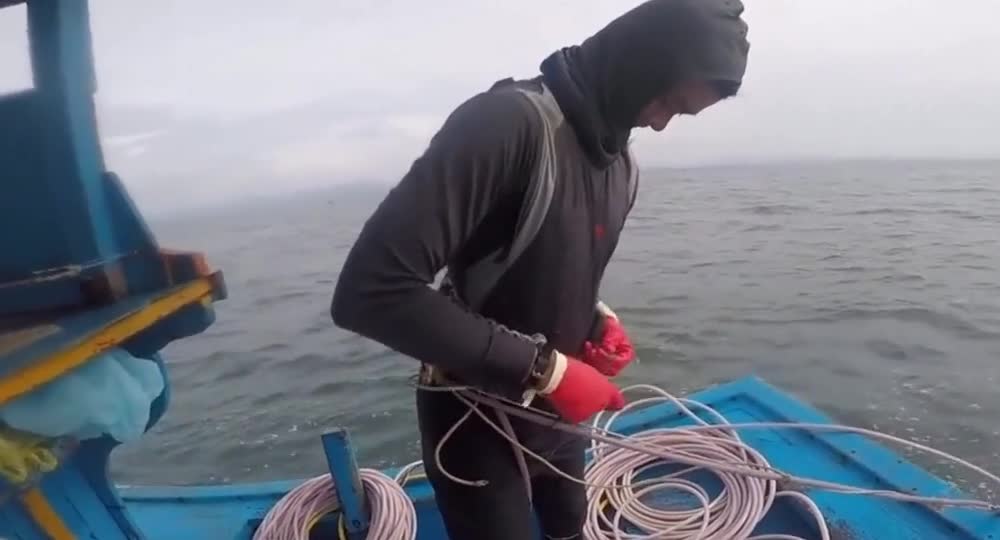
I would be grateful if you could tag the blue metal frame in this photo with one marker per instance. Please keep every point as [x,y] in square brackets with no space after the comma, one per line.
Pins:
[57,177]
[72,236]
[347,483]
[75,255]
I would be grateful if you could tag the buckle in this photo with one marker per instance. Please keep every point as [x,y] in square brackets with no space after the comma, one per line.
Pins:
[528,397]
[426,374]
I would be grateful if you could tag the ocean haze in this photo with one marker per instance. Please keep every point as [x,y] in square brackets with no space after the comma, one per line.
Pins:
[866,288]
[214,101]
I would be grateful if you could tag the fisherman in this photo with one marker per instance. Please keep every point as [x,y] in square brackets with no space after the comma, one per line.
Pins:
[539,326]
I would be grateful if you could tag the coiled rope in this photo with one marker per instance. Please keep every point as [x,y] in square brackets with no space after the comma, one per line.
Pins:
[734,513]
[612,477]
[393,516]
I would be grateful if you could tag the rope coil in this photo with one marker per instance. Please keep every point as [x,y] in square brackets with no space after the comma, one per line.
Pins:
[393,516]
[613,477]
[734,513]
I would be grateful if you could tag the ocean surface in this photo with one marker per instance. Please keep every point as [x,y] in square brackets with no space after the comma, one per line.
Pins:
[870,289]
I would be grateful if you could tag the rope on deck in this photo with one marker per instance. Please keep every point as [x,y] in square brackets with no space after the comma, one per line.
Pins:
[393,516]
[751,484]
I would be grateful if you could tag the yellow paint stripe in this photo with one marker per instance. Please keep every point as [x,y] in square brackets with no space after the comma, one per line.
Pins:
[45,516]
[106,338]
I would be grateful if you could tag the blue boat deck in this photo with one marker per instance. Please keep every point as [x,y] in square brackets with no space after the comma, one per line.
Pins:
[232,512]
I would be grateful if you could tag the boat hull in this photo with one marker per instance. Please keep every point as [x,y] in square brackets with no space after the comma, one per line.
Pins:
[233,512]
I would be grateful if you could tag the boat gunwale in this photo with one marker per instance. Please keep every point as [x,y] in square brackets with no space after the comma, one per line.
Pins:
[864,454]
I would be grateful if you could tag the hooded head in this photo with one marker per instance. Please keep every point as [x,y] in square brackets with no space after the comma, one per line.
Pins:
[659,47]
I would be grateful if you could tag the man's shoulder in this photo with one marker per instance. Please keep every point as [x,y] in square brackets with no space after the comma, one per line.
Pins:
[503,105]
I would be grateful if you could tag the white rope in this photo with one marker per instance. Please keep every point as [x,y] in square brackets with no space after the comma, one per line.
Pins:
[392,514]
[612,477]
[749,480]
[733,514]
[762,472]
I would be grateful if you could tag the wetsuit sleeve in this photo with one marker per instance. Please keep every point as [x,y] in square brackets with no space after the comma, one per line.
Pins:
[482,154]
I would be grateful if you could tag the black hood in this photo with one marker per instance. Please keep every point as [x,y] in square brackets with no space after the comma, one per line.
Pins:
[603,83]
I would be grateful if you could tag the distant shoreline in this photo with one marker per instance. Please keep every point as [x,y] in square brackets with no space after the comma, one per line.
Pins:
[369,187]
[814,161]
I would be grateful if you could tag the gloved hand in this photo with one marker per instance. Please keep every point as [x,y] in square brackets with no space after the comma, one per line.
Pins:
[614,351]
[578,391]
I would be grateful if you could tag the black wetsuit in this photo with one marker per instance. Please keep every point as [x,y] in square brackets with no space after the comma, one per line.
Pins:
[460,201]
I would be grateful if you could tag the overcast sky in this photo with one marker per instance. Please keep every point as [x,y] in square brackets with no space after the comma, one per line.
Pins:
[254,97]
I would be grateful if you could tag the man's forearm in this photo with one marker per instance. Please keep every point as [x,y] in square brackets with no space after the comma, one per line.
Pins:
[422,323]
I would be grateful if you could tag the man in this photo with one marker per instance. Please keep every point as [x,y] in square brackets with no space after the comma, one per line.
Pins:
[539,326]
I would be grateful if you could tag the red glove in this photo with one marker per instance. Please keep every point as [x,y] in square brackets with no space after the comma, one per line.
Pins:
[578,391]
[615,349]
